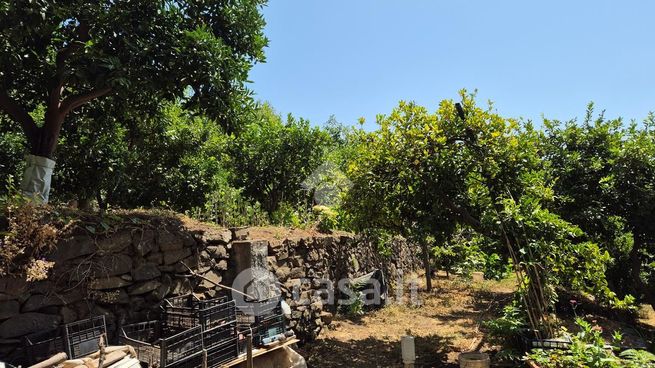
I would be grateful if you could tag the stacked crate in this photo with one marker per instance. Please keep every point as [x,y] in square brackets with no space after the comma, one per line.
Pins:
[188,329]
[263,319]
[76,339]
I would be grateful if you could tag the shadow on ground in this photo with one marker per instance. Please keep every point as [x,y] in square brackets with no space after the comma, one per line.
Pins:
[371,352]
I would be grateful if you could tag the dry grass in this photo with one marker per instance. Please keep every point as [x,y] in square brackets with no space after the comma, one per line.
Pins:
[446,323]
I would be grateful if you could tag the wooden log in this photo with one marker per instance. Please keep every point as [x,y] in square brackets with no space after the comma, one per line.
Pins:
[53,360]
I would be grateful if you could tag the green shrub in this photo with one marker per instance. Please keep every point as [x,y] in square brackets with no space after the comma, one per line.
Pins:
[326,218]
[588,349]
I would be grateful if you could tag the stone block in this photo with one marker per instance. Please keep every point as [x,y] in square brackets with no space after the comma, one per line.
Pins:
[108,283]
[115,242]
[144,287]
[174,256]
[146,271]
[9,309]
[169,241]
[144,242]
[39,301]
[218,251]
[27,323]
[113,265]
[73,247]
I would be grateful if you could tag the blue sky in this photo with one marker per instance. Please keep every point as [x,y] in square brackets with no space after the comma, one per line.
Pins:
[358,58]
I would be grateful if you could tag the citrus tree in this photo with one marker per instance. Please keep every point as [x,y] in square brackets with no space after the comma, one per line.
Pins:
[422,174]
[60,56]
[605,183]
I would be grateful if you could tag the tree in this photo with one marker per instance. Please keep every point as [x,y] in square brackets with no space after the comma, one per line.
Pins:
[606,184]
[423,175]
[271,158]
[62,55]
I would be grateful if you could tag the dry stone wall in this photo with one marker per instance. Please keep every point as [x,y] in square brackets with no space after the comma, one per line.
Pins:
[127,271]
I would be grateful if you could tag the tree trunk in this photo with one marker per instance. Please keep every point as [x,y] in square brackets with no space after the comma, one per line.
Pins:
[40,165]
[643,291]
[426,265]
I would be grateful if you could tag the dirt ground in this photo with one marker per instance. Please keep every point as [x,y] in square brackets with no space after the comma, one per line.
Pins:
[447,323]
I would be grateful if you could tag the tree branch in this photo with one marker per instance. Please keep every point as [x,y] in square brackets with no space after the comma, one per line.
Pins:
[18,113]
[73,102]
[83,35]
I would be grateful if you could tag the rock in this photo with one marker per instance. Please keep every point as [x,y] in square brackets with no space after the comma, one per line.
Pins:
[145,287]
[169,242]
[316,306]
[297,261]
[163,289]
[217,251]
[187,239]
[68,315]
[282,254]
[157,258]
[313,255]
[296,314]
[240,233]
[180,287]
[171,257]
[110,297]
[38,301]
[192,261]
[73,247]
[282,273]
[296,272]
[144,242]
[326,317]
[213,276]
[146,271]
[73,296]
[216,236]
[27,323]
[116,242]
[221,265]
[108,283]
[9,309]
[113,265]
[127,277]
[42,287]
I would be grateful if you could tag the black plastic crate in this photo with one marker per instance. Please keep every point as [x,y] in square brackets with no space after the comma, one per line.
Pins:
[194,361]
[82,337]
[158,346]
[41,346]
[268,330]
[218,356]
[547,344]
[263,319]
[187,311]
[251,313]
[219,336]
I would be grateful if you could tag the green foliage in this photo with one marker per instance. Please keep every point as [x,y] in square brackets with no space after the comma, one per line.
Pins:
[175,46]
[426,174]
[227,206]
[271,158]
[605,184]
[588,349]
[510,326]
[288,215]
[326,218]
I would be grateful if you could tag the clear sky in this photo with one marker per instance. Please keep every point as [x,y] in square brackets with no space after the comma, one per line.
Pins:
[358,58]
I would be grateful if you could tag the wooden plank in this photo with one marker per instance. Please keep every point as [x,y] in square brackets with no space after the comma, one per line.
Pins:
[261,351]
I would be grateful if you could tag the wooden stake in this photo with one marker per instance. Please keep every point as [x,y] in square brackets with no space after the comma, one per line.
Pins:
[249,361]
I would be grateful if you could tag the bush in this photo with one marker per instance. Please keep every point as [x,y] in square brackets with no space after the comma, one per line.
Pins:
[588,349]
[29,235]
[326,218]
